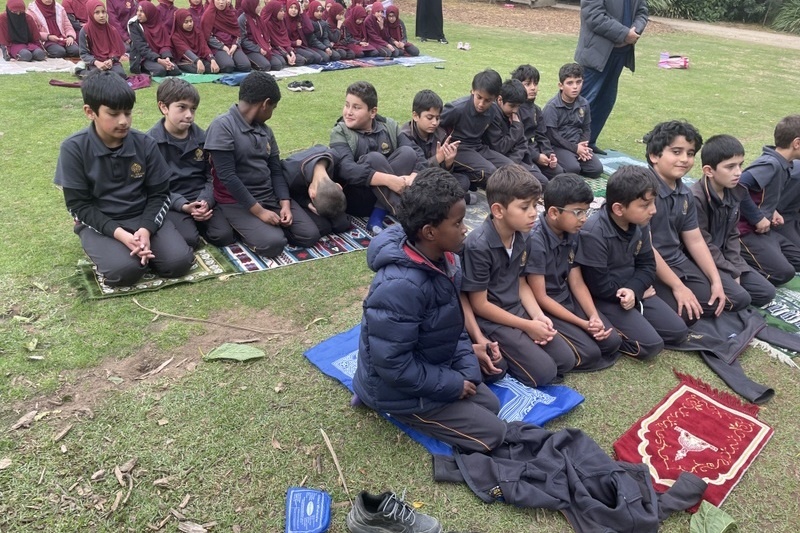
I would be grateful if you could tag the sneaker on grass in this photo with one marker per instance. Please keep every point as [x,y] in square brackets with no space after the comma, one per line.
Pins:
[295,86]
[386,513]
[307,85]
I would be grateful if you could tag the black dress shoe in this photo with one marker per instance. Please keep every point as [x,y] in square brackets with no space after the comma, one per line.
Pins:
[597,150]
[443,40]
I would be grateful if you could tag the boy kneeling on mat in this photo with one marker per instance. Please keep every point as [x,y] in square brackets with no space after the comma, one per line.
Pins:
[415,359]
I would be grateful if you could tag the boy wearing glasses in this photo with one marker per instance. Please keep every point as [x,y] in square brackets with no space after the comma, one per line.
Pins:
[556,280]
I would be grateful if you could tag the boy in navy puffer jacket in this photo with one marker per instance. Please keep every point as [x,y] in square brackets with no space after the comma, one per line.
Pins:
[415,360]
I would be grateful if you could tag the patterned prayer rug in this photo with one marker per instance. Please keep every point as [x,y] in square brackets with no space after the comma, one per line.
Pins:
[337,358]
[700,430]
[209,263]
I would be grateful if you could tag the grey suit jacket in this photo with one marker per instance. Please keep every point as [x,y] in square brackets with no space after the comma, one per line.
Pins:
[602,30]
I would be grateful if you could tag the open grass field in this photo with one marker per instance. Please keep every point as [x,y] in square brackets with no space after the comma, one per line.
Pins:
[233,437]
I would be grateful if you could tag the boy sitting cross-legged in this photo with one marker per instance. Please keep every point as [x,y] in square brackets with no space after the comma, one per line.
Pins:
[495,255]
[718,198]
[415,360]
[556,279]
[116,187]
[619,267]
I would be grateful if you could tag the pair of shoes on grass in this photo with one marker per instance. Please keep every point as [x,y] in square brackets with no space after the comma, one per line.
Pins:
[297,86]
[384,513]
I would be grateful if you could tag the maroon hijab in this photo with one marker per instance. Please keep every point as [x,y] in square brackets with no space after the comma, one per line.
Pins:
[49,14]
[276,28]
[105,42]
[256,30]
[294,25]
[79,8]
[395,28]
[155,32]
[219,20]
[197,13]
[333,12]
[356,31]
[183,41]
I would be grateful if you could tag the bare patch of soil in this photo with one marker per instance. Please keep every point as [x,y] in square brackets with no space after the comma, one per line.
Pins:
[81,392]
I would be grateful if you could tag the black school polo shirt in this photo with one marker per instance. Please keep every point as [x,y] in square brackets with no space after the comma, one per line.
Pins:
[552,257]
[606,247]
[189,164]
[465,123]
[675,214]
[118,179]
[488,267]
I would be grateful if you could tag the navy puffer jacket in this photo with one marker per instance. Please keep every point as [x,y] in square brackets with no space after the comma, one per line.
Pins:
[414,353]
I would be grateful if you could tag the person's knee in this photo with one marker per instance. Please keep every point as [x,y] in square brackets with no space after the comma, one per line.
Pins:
[269,245]
[177,264]
[676,335]
[648,350]
[124,274]
[784,273]
[220,236]
[307,238]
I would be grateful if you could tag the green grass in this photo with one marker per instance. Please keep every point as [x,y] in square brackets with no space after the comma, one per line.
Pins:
[222,419]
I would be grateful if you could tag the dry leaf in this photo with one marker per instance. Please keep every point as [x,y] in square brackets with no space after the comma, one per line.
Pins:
[276,444]
[41,415]
[116,380]
[36,357]
[63,449]
[279,387]
[63,433]
[128,466]
[31,346]
[164,482]
[180,516]
[191,527]
[98,475]
[25,420]
[5,462]
[185,501]
[117,501]
[163,422]
[236,528]
[118,475]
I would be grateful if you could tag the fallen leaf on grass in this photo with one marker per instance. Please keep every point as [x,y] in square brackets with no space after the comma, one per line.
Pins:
[279,387]
[20,318]
[117,501]
[25,420]
[191,527]
[163,422]
[185,501]
[116,380]
[31,346]
[98,475]
[118,475]
[63,449]
[41,415]
[235,352]
[40,286]
[165,482]
[36,357]
[5,462]
[276,444]
[128,466]
[63,433]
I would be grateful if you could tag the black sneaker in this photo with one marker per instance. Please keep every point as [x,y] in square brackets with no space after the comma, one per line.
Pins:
[295,86]
[597,150]
[307,85]
[386,513]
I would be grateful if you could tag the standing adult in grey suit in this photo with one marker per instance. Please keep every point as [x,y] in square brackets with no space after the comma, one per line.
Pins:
[609,31]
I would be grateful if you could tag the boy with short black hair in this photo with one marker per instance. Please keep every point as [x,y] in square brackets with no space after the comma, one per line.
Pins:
[424,130]
[375,162]
[569,124]
[495,255]
[116,187]
[619,266]
[181,143]
[539,147]
[415,360]
[556,280]
[466,119]
[686,276]
[769,252]
[506,133]
[717,198]
[249,185]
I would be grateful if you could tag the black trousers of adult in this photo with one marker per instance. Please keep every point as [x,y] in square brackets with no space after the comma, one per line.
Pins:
[772,255]
[479,164]
[530,363]
[645,329]
[228,63]
[589,353]
[568,160]
[736,298]
[173,257]
[215,230]
[362,199]
[266,239]
[469,424]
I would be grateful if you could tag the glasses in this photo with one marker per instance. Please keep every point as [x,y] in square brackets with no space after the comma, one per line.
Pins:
[579,213]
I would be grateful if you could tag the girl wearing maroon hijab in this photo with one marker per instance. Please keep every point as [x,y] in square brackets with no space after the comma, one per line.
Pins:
[191,50]
[221,30]
[322,33]
[255,38]
[298,28]
[119,13]
[273,15]
[197,8]
[55,29]
[78,12]
[19,35]
[167,9]
[396,30]
[335,15]
[355,33]
[377,33]
[100,44]
[151,46]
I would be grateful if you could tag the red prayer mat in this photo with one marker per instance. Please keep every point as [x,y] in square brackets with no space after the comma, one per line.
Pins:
[700,430]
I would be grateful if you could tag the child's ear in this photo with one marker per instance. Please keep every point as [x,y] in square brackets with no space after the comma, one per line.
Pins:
[164,108]
[414,115]
[617,208]
[373,112]
[552,212]
[708,171]
[87,110]
[427,232]
[497,210]
[500,100]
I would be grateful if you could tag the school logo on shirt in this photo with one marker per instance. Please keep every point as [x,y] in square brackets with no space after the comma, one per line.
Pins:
[571,257]
[385,148]
[685,207]
[638,248]
[137,172]
[581,112]
[524,258]
[198,154]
